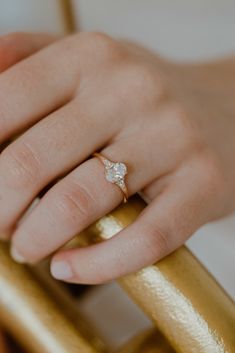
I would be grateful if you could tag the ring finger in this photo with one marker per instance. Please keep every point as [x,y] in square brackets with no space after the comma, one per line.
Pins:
[46,151]
[80,198]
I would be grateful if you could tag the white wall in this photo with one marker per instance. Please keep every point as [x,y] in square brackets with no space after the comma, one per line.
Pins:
[34,15]
[179,28]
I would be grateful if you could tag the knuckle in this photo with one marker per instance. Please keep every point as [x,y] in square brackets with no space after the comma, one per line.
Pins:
[212,177]
[143,84]
[179,124]
[98,39]
[181,120]
[102,45]
[21,164]
[141,76]
[76,205]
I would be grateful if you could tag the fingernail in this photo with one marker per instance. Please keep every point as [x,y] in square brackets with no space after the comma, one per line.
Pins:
[17,256]
[61,270]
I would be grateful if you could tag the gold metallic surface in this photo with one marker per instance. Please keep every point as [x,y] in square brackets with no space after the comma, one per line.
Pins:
[187,305]
[70,23]
[151,341]
[178,294]
[32,315]
[122,186]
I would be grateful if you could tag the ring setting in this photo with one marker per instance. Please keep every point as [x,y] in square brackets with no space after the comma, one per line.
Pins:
[115,173]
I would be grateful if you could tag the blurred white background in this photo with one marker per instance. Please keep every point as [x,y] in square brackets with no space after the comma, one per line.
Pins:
[179,29]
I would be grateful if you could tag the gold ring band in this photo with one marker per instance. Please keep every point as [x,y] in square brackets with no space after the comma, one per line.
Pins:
[115,173]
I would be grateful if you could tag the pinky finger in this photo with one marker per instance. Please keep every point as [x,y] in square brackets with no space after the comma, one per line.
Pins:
[161,228]
[17,46]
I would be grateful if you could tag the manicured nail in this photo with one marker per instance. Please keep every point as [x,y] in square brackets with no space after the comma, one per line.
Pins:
[17,256]
[61,270]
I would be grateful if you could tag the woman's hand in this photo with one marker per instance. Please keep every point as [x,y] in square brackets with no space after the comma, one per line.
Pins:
[173,125]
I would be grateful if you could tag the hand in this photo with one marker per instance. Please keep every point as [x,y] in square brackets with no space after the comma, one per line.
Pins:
[173,125]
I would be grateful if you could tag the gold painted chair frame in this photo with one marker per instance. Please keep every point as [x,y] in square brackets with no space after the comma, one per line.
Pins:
[191,312]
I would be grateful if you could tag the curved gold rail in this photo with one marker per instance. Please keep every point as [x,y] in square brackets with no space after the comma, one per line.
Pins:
[178,294]
[70,23]
[30,313]
[192,312]
[151,341]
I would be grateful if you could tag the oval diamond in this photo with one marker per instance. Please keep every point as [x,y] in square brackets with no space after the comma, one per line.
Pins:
[116,172]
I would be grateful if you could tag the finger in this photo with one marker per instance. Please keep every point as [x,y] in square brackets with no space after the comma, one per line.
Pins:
[162,227]
[26,168]
[17,46]
[78,200]
[26,165]
[35,87]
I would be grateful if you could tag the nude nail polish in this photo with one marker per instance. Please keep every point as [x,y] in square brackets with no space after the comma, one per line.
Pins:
[17,256]
[61,270]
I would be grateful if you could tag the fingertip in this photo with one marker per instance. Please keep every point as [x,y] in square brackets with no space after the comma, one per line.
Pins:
[17,256]
[61,270]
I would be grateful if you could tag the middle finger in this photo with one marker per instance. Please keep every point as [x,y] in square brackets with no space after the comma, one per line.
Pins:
[49,149]
[83,196]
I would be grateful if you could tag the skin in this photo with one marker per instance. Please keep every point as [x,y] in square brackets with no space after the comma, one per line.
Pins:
[172,124]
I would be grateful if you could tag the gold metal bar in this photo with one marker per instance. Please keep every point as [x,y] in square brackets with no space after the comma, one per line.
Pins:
[150,341]
[178,294]
[186,304]
[70,22]
[31,315]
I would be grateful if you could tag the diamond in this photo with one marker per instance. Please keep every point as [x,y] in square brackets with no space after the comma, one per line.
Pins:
[107,163]
[115,172]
